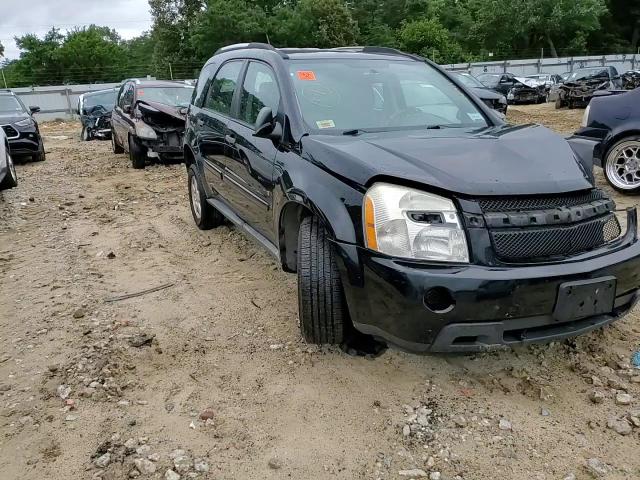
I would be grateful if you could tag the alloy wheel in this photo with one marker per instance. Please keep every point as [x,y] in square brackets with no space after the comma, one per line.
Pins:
[195,198]
[623,165]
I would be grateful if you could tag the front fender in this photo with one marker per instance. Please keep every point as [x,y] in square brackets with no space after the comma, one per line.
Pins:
[337,204]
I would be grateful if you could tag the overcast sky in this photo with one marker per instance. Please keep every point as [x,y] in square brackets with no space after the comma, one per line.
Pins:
[17,17]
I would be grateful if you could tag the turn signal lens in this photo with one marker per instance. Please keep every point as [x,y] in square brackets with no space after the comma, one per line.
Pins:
[370,224]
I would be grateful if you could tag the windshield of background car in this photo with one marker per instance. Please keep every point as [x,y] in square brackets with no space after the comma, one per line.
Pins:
[588,73]
[173,96]
[488,79]
[378,95]
[107,100]
[10,104]
[469,80]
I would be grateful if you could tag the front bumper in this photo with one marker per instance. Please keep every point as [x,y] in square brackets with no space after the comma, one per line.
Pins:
[27,143]
[494,306]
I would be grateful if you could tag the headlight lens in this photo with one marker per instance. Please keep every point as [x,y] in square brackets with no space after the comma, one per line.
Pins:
[145,131]
[585,117]
[408,223]
[502,100]
[27,122]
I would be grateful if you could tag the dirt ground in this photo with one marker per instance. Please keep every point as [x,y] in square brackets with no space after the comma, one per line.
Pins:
[209,377]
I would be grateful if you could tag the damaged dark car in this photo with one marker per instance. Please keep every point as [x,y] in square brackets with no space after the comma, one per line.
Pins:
[527,90]
[95,110]
[148,120]
[424,221]
[578,90]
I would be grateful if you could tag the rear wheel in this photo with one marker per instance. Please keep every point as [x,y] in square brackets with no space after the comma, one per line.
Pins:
[11,178]
[136,153]
[322,307]
[559,104]
[117,149]
[205,216]
[622,165]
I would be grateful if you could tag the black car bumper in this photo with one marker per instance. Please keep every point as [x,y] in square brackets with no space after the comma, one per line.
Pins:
[493,307]
[24,142]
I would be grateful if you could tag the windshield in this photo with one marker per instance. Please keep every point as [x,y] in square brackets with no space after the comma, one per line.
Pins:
[10,104]
[173,96]
[469,80]
[379,95]
[107,100]
[588,73]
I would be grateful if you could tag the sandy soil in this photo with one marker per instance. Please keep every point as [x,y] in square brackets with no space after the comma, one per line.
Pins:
[209,376]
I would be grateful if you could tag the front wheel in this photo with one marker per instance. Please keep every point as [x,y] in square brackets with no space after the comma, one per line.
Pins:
[85,136]
[622,165]
[41,156]
[136,153]
[322,307]
[11,178]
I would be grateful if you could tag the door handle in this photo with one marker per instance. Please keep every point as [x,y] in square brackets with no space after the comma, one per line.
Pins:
[230,139]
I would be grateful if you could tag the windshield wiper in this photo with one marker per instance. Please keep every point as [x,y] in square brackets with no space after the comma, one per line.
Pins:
[354,132]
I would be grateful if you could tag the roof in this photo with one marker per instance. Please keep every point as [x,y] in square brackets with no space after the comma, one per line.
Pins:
[6,91]
[158,83]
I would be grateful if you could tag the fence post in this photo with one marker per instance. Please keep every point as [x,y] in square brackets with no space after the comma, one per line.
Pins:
[66,91]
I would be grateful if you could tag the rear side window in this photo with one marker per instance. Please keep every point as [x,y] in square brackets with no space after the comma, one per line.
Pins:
[220,95]
[259,90]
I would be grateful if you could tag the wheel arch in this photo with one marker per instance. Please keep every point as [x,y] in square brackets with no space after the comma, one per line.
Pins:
[615,137]
[189,156]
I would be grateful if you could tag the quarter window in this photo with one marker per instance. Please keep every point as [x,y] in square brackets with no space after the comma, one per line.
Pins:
[259,90]
[220,95]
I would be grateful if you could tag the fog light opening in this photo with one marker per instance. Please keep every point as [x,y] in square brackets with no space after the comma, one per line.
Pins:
[439,300]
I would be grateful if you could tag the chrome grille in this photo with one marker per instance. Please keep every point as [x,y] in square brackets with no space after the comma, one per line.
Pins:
[10,132]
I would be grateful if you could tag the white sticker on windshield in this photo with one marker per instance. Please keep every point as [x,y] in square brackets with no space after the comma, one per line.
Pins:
[325,124]
[476,117]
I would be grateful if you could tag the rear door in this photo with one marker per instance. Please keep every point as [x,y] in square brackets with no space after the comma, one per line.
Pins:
[249,167]
[119,119]
[212,123]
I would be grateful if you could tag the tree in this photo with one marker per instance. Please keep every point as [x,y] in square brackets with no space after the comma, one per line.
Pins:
[429,38]
[1,50]
[173,24]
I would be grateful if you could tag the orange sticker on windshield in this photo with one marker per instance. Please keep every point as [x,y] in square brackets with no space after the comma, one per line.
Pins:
[306,75]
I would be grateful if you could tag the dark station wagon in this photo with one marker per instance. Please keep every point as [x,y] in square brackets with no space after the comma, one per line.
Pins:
[410,211]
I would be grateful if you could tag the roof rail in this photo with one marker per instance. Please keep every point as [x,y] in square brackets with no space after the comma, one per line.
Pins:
[246,46]
[382,50]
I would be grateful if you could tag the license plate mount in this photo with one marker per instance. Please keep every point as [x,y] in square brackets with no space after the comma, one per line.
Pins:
[585,298]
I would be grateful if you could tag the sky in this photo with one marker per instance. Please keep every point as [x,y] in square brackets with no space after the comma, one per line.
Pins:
[18,17]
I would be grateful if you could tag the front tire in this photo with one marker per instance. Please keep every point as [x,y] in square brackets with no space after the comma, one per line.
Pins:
[205,216]
[322,307]
[85,136]
[41,156]
[136,154]
[11,178]
[622,165]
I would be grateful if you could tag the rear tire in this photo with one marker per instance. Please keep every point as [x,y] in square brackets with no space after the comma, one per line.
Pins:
[205,216]
[136,154]
[11,178]
[117,149]
[322,307]
[559,104]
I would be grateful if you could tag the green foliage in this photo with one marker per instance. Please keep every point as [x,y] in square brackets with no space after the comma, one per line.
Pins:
[187,32]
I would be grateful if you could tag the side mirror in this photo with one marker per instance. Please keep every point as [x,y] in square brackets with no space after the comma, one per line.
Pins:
[264,123]
[127,109]
[34,109]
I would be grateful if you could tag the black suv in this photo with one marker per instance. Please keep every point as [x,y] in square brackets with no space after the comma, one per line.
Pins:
[20,127]
[409,210]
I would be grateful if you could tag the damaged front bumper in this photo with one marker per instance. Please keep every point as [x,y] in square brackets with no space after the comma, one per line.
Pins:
[490,307]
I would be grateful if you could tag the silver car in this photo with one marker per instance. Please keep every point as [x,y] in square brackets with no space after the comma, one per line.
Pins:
[8,177]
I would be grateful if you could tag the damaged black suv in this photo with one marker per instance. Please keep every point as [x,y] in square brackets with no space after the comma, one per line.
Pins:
[148,120]
[409,210]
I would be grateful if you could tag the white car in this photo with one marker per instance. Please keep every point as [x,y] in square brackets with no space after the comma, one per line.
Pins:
[8,177]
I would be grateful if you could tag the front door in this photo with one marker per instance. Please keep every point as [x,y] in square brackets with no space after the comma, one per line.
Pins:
[211,123]
[249,165]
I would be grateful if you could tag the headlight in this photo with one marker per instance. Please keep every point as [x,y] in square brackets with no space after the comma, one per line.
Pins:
[408,223]
[27,122]
[502,100]
[585,117]
[145,131]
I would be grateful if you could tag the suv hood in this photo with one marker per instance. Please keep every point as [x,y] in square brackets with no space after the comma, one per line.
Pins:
[502,160]
[9,118]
